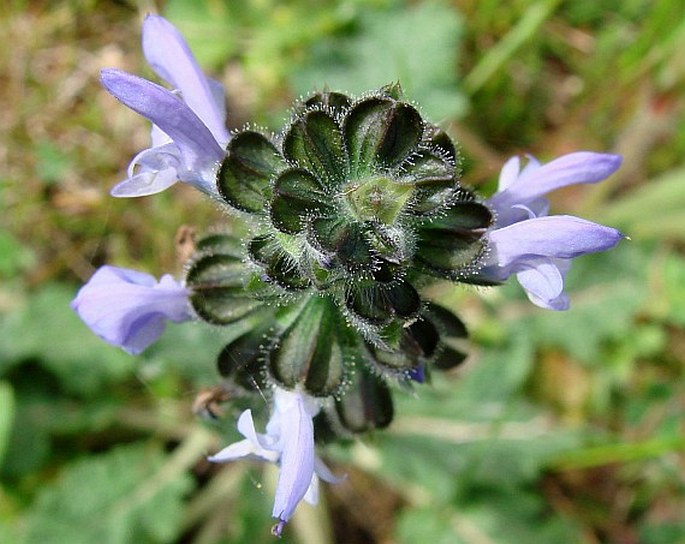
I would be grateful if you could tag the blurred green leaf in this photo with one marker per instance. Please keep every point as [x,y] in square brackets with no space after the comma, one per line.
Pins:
[53,162]
[43,414]
[427,524]
[416,45]
[120,497]
[497,56]
[478,440]
[665,533]
[207,26]
[6,416]
[14,257]
[491,515]
[607,291]
[617,453]
[44,328]
[671,303]
[653,210]
[190,350]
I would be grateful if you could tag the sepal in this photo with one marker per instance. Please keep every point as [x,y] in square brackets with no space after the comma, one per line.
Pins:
[297,196]
[450,244]
[245,176]
[309,353]
[365,406]
[380,132]
[314,141]
[217,285]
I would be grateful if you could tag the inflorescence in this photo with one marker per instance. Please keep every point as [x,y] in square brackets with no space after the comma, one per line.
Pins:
[347,213]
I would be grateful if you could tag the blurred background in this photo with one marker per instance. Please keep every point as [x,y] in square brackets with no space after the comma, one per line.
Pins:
[560,428]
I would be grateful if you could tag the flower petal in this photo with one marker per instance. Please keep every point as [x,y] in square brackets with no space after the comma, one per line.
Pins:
[250,447]
[297,459]
[238,450]
[169,55]
[323,472]
[532,183]
[145,183]
[195,142]
[559,236]
[128,308]
[265,442]
[509,173]
[543,282]
[312,494]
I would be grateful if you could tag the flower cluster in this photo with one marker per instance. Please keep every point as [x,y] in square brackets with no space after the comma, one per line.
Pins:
[348,212]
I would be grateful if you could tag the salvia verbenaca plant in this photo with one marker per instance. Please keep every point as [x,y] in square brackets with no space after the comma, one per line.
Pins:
[349,211]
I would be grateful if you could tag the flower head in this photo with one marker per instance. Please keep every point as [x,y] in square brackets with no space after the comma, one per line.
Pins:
[537,249]
[128,309]
[188,133]
[288,442]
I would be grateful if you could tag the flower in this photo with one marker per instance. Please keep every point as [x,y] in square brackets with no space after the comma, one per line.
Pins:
[536,248]
[288,442]
[188,133]
[128,309]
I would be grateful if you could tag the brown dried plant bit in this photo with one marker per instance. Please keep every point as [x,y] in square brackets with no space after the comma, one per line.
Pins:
[184,242]
[207,403]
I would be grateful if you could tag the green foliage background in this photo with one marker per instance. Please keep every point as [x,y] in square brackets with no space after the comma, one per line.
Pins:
[562,427]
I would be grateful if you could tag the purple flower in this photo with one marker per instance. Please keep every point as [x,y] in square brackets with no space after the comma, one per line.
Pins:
[535,248]
[188,133]
[288,442]
[128,309]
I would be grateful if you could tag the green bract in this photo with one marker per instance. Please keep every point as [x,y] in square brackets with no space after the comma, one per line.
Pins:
[350,208]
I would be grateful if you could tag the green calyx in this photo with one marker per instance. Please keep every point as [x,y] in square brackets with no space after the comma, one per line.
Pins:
[348,208]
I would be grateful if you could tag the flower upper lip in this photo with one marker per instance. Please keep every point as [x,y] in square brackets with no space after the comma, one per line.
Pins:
[170,57]
[522,189]
[188,134]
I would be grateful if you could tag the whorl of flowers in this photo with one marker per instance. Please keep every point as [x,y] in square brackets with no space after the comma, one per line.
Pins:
[348,212]
[350,207]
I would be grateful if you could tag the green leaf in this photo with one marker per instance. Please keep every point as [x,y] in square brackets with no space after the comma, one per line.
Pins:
[453,347]
[279,266]
[377,303]
[14,257]
[220,243]
[46,329]
[366,405]
[335,102]
[346,239]
[126,496]
[671,301]
[488,515]
[436,181]
[240,361]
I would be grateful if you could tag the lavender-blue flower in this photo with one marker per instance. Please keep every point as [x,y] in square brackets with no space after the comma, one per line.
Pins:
[535,248]
[128,309]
